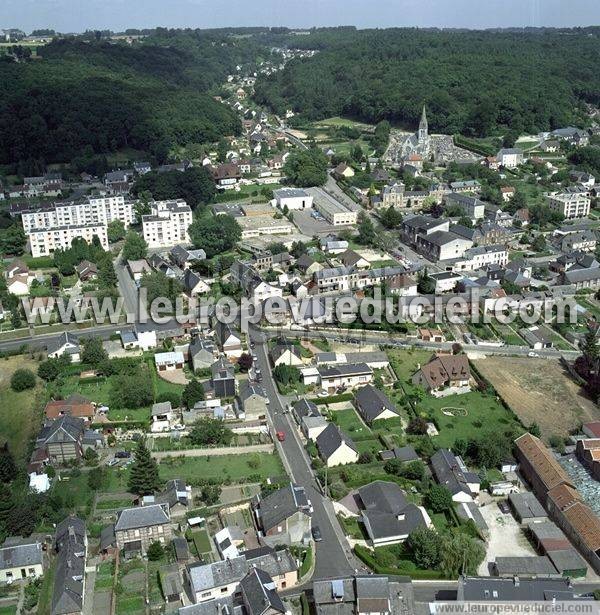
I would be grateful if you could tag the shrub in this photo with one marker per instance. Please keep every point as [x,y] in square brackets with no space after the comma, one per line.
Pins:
[22,380]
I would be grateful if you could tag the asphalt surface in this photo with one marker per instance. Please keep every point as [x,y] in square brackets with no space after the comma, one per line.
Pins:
[333,556]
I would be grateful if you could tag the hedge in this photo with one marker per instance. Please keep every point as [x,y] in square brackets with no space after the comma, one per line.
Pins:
[333,399]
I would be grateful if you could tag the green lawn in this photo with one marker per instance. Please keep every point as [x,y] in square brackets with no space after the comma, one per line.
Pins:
[127,604]
[350,422]
[114,504]
[234,467]
[475,410]
[8,610]
[19,414]
[201,542]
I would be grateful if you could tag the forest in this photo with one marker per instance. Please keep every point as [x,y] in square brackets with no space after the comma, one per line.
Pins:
[475,83]
[84,98]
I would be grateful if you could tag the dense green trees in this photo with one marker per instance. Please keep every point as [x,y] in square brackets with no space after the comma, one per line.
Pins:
[85,99]
[214,234]
[93,352]
[476,83]
[135,247]
[159,285]
[306,168]
[193,392]
[22,379]
[194,185]
[210,432]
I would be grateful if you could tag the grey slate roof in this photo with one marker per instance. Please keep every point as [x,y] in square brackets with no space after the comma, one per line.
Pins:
[144,516]
[567,560]
[260,594]
[58,342]
[526,505]
[330,440]
[208,576]
[304,407]
[448,472]
[371,402]
[533,565]
[63,429]
[282,504]
[486,589]
[67,596]
[219,606]
[21,555]
[387,512]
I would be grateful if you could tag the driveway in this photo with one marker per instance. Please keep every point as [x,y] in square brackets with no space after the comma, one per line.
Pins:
[506,537]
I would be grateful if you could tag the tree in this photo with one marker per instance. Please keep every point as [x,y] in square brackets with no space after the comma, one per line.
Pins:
[357,153]
[215,234]
[132,389]
[8,467]
[539,243]
[417,426]
[13,240]
[159,285]
[115,231]
[460,554]
[439,498]
[210,494]
[143,478]
[391,218]
[245,362]
[425,283]
[97,479]
[155,552]
[413,470]
[193,392]
[93,352]
[425,545]
[21,520]
[50,370]
[135,247]
[6,504]
[15,318]
[510,138]
[306,168]
[22,379]
[286,374]
[210,432]
[534,430]
[366,230]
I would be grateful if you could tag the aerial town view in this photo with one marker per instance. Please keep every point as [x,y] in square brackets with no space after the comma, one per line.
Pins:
[299,307]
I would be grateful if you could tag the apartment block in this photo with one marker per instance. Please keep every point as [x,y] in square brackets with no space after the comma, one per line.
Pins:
[168,223]
[46,241]
[574,203]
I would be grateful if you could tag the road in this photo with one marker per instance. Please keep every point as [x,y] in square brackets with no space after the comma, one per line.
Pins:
[333,555]
[127,288]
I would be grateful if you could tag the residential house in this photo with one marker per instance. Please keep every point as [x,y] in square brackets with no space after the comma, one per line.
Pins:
[343,171]
[510,158]
[254,400]
[86,271]
[363,595]
[284,516]
[350,258]
[62,439]
[345,376]
[65,344]
[259,593]
[18,278]
[162,417]
[202,353]
[285,353]
[185,258]
[74,405]
[223,378]
[228,340]
[138,268]
[403,453]
[70,542]
[137,528]
[387,515]
[444,374]
[450,471]
[176,494]
[194,284]
[145,334]
[374,405]
[308,265]
[516,590]
[21,558]
[335,447]
[472,207]
[537,338]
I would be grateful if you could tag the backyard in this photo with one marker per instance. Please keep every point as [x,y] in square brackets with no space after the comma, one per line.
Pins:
[456,416]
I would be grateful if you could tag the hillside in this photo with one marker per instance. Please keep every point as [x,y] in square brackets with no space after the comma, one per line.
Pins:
[81,98]
[476,83]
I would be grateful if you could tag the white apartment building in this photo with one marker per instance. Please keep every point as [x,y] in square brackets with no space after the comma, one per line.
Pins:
[168,223]
[481,257]
[572,204]
[46,241]
[101,210]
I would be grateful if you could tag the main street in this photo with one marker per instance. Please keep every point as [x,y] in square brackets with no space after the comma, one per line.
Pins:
[333,554]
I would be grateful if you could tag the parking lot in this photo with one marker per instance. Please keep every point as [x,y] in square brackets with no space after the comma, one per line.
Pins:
[506,537]
[310,226]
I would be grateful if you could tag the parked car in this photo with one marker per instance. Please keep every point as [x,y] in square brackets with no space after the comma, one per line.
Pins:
[113,462]
[122,455]
[280,436]
[316,534]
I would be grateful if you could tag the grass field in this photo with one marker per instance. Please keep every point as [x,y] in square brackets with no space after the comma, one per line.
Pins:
[201,542]
[540,391]
[234,467]
[483,411]
[19,417]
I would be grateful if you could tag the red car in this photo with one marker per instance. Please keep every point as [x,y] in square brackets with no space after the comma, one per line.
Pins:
[280,436]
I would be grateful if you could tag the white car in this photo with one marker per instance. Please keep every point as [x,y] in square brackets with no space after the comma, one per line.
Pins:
[533,354]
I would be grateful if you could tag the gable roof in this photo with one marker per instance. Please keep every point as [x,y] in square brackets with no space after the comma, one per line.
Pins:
[450,472]
[260,594]
[62,340]
[547,469]
[144,516]
[64,429]
[444,368]
[282,504]
[371,402]
[331,439]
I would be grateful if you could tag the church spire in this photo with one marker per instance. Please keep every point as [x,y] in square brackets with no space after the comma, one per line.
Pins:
[423,127]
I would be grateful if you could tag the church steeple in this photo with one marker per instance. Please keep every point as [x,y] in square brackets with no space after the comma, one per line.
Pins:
[423,127]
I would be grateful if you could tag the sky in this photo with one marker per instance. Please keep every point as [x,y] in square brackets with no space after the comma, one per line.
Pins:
[80,15]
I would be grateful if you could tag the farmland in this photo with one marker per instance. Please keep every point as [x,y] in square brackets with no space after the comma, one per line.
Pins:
[539,391]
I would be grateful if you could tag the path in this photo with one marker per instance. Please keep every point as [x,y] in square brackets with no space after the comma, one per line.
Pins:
[204,452]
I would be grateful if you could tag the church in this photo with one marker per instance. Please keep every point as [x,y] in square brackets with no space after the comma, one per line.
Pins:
[419,143]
